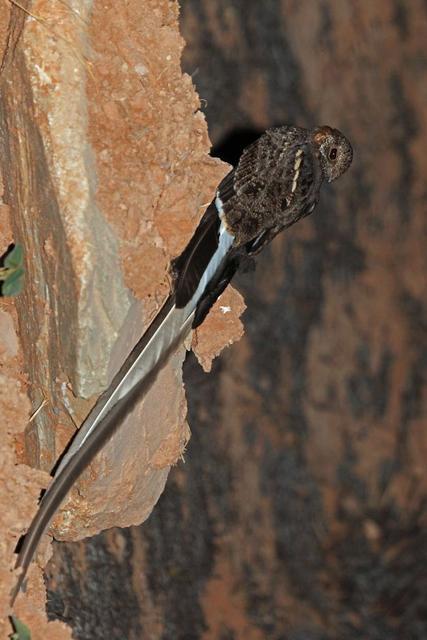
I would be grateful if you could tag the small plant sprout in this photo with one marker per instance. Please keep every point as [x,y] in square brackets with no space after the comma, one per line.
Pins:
[12,273]
[21,631]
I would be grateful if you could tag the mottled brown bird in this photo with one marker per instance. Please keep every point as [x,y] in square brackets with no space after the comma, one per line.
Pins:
[276,182]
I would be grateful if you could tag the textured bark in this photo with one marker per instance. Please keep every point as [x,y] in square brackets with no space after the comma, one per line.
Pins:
[300,511]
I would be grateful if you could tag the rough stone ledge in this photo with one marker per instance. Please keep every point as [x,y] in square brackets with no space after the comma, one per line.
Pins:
[106,172]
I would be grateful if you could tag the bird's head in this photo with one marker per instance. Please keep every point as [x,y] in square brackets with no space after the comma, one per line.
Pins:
[335,152]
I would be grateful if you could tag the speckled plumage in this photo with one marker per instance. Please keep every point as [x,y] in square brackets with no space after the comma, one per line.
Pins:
[278,179]
[276,182]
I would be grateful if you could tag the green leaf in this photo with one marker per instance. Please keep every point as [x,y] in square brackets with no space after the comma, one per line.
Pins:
[15,258]
[13,284]
[22,632]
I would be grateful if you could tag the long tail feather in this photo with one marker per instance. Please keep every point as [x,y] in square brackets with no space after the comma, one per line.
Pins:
[173,322]
[133,380]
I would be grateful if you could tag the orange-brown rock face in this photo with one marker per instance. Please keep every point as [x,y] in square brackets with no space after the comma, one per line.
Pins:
[301,509]
[106,173]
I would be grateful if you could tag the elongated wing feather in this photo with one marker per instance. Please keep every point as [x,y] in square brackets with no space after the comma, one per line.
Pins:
[142,358]
[192,263]
[226,187]
[206,250]
[139,371]
[135,378]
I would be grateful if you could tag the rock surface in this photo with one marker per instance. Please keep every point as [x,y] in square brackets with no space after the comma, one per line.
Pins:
[106,172]
[301,509]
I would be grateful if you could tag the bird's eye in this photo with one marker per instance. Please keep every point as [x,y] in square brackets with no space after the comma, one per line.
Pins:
[333,153]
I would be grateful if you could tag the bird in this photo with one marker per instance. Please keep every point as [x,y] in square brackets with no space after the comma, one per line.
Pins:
[276,182]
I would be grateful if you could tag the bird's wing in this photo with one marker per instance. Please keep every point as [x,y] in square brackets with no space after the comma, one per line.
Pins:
[274,158]
[208,244]
[191,264]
